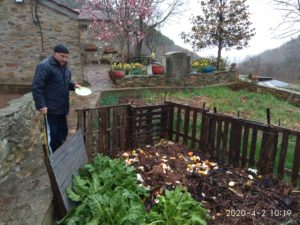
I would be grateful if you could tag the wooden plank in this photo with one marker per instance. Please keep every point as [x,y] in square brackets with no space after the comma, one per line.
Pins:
[282,156]
[225,141]
[149,124]
[237,144]
[178,124]
[64,163]
[115,134]
[266,151]
[204,133]
[170,120]
[245,146]
[212,135]
[122,129]
[174,104]
[232,142]
[273,152]
[219,139]
[164,123]
[296,165]
[194,126]
[186,124]
[253,147]
[152,107]
[133,126]
[102,134]
[89,133]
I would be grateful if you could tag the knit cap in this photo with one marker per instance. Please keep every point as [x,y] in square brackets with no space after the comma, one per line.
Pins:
[60,48]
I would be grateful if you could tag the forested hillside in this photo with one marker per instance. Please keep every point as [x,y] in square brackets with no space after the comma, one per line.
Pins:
[282,63]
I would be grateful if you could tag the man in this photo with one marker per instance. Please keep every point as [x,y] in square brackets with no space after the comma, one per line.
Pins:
[50,89]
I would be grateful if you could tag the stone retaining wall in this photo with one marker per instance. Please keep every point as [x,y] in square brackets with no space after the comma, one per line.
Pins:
[290,96]
[163,80]
[19,126]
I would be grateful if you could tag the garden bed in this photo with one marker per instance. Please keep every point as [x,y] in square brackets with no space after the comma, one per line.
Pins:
[232,195]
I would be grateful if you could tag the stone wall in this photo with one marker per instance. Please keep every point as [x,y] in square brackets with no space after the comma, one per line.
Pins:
[290,96]
[162,80]
[19,129]
[21,42]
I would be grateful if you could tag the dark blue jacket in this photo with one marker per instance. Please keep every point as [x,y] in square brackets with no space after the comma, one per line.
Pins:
[51,85]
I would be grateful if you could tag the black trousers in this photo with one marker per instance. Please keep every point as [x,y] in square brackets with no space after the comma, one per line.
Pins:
[56,128]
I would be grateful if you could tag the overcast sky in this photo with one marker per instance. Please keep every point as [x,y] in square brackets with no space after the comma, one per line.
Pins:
[263,17]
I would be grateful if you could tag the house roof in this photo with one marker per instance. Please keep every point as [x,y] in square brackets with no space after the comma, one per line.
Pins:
[60,8]
[95,14]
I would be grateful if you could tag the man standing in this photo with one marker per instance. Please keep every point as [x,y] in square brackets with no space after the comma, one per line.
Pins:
[50,89]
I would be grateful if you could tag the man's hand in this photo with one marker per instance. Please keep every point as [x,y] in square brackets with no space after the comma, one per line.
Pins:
[44,110]
[77,85]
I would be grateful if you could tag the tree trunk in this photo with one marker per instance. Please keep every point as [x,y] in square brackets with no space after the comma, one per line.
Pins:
[139,42]
[138,48]
[219,56]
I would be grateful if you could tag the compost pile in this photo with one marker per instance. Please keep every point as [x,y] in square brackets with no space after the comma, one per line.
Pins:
[231,195]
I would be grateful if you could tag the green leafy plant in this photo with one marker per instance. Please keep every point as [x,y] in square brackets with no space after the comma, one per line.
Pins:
[107,192]
[177,207]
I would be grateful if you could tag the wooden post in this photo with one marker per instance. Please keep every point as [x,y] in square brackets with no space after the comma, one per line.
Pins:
[296,165]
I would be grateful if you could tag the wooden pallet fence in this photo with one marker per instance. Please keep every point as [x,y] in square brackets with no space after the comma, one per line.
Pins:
[228,139]
[148,124]
[105,129]
[237,141]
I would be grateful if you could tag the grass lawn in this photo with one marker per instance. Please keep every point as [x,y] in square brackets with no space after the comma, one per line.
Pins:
[250,105]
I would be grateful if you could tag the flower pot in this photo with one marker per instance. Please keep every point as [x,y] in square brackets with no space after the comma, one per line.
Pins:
[118,73]
[158,69]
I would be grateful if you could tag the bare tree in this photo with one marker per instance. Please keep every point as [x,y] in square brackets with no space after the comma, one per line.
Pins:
[161,11]
[290,24]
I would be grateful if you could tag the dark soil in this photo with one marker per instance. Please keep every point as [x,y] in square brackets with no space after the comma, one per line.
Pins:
[231,195]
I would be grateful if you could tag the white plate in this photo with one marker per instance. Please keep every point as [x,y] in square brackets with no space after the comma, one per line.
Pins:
[83,91]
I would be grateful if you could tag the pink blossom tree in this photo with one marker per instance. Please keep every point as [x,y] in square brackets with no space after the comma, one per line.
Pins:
[115,21]
[129,21]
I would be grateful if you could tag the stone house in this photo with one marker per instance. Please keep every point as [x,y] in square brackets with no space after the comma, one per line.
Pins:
[28,32]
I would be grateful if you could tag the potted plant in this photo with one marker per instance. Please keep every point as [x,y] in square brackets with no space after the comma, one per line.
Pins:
[158,68]
[117,71]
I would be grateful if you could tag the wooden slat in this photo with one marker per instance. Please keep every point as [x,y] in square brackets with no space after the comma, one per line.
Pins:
[194,126]
[212,135]
[115,134]
[282,156]
[237,144]
[61,165]
[273,152]
[102,134]
[89,133]
[133,127]
[219,138]
[170,120]
[204,133]
[225,141]
[122,129]
[253,147]
[232,142]
[186,125]
[296,165]
[245,146]
[149,124]
[267,147]
[178,123]
[163,124]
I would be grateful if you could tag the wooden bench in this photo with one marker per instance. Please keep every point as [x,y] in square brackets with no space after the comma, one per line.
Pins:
[61,165]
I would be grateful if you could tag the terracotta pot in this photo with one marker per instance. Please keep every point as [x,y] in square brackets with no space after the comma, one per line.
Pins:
[158,69]
[118,73]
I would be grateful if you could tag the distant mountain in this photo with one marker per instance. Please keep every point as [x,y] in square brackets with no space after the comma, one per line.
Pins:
[282,62]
